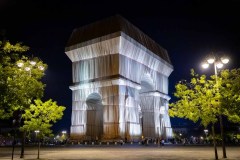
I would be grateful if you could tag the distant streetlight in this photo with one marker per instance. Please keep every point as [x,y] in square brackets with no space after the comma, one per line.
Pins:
[218,64]
[37,132]
[206,132]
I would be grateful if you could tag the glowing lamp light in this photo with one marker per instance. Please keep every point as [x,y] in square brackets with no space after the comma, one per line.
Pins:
[225,60]
[211,60]
[27,69]
[19,64]
[205,65]
[219,65]
[64,132]
[41,68]
[37,131]
[33,63]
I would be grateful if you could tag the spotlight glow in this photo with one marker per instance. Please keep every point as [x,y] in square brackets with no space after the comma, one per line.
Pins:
[219,65]
[19,64]
[211,60]
[225,60]
[205,65]
[27,69]
[41,68]
[33,63]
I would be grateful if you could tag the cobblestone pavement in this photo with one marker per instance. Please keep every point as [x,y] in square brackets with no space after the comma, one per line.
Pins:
[118,152]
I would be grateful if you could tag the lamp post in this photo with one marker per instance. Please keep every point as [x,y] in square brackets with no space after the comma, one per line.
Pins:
[64,132]
[218,64]
[64,136]
[206,133]
[37,132]
[180,135]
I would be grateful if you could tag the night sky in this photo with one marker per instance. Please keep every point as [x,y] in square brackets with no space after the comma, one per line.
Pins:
[189,30]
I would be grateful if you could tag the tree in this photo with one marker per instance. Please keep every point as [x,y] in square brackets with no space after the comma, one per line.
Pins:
[198,100]
[40,116]
[204,100]
[20,81]
[18,86]
[230,94]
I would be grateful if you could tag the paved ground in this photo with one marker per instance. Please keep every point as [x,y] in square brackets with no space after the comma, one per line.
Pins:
[117,152]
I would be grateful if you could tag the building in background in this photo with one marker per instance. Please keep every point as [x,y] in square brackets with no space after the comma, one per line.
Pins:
[120,82]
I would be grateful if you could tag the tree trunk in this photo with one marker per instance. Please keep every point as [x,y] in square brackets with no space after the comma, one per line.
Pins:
[214,142]
[222,136]
[13,144]
[23,144]
[38,148]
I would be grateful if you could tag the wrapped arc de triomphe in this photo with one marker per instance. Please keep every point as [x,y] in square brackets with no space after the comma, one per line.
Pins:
[120,83]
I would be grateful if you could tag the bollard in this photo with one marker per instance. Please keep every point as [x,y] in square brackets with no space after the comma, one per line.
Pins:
[92,143]
[107,143]
[85,143]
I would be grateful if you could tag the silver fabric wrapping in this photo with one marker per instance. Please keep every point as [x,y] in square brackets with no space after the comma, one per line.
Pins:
[120,90]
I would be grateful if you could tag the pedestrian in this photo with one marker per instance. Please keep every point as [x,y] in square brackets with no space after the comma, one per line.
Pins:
[121,142]
[162,142]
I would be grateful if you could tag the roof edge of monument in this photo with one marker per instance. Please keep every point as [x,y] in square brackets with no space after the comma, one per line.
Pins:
[115,24]
[114,35]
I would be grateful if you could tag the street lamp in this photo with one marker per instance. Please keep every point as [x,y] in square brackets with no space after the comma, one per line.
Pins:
[28,65]
[64,136]
[206,132]
[29,69]
[37,132]
[218,64]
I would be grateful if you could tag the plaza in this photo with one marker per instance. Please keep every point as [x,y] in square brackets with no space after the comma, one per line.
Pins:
[118,152]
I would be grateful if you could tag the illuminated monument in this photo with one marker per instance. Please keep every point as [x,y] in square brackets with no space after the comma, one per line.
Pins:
[120,82]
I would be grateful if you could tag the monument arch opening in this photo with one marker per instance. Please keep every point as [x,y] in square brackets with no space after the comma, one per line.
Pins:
[94,123]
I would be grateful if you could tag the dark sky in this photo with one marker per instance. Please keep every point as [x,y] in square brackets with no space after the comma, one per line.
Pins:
[189,30]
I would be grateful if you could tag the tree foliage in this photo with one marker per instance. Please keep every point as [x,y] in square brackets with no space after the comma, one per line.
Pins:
[41,115]
[18,87]
[204,100]
[230,94]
